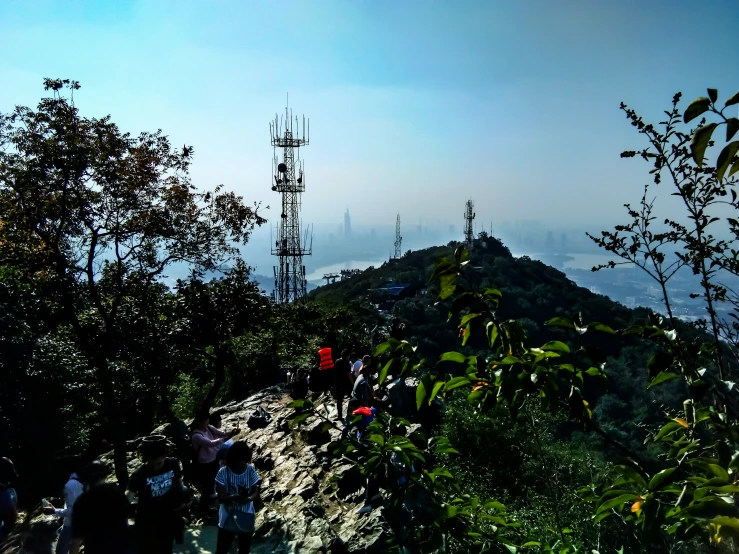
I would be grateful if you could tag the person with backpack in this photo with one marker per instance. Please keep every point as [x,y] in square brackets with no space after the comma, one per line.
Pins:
[8,497]
[157,485]
[72,491]
[100,515]
[206,440]
[343,381]
[237,484]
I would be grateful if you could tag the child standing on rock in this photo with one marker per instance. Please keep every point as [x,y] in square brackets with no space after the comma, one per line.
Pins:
[237,484]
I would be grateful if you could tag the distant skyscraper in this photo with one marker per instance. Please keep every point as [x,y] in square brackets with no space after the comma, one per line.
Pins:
[347,223]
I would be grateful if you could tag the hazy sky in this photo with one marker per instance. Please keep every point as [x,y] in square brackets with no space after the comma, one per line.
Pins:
[414,105]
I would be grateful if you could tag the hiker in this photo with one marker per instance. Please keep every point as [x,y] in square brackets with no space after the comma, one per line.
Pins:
[398,330]
[237,484]
[299,386]
[73,488]
[157,485]
[100,515]
[356,365]
[8,497]
[362,394]
[205,440]
[343,382]
[217,422]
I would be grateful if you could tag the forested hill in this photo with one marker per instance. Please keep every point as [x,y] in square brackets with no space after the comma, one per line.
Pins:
[532,293]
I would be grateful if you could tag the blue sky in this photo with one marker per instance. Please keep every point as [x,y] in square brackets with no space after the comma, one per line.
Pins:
[414,105]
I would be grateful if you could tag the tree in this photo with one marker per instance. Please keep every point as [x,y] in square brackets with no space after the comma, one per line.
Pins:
[212,314]
[92,216]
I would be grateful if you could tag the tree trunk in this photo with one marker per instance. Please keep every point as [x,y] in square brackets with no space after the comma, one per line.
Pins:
[116,423]
[220,368]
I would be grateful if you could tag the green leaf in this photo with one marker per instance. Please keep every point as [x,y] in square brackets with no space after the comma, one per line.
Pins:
[724,158]
[556,346]
[601,328]
[733,100]
[461,254]
[612,503]
[447,291]
[436,389]
[381,348]
[377,439]
[423,390]
[455,383]
[300,419]
[700,141]
[530,543]
[631,474]
[385,370]
[667,429]
[455,357]
[492,333]
[560,322]
[734,168]
[661,378]
[725,521]
[660,478]
[696,107]
[713,94]
[469,317]
[296,404]
[493,505]
[732,126]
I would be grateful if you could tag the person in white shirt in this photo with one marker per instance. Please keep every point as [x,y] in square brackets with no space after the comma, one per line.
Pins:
[72,490]
[356,366]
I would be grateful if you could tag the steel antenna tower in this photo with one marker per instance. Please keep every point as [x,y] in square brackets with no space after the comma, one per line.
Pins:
[398,238]
[469,215]
[289,180]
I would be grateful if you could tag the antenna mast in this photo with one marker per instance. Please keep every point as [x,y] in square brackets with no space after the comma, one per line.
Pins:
[289,180]
[398,239]
[469,215]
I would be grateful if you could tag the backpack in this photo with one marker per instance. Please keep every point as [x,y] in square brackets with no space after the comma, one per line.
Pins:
[259,419]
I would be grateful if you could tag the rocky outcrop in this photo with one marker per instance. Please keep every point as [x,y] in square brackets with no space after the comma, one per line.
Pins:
[303,512]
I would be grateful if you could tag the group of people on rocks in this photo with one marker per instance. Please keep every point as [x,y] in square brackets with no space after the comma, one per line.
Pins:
[96,512]
[353,381]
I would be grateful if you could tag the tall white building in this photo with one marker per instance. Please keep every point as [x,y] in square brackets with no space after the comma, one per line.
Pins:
[347,224]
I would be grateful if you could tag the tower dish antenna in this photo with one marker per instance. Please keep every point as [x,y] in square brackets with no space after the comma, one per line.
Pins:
[398,239]
[291,244]
[469,215]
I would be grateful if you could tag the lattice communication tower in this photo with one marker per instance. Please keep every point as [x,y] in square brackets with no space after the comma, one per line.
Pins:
[469,215]
[289,180]
[398,238]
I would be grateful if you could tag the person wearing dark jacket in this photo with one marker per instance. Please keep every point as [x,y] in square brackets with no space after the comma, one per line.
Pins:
[8,497]
[343,381]
[100,516]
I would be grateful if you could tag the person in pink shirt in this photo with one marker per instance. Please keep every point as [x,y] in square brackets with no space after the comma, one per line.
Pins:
[206,440]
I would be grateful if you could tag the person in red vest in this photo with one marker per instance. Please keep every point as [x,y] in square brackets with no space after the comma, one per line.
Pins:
[324,377]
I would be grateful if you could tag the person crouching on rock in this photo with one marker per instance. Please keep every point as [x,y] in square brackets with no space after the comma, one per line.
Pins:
[237,484]
[205,440]
[157,485]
